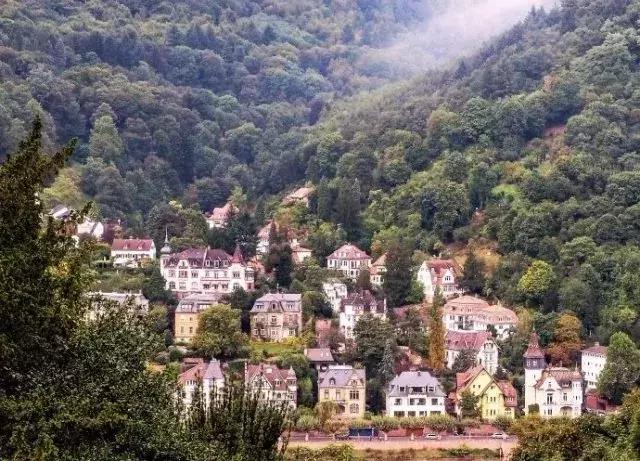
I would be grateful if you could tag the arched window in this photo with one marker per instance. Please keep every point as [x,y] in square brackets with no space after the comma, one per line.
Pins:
[332,382]
[354,408]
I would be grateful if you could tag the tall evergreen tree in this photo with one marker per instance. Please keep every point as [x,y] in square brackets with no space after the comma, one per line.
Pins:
[436,354]
[324,200]
[348,206]
[473,278]
[387,365]
[397,279]
[622,371]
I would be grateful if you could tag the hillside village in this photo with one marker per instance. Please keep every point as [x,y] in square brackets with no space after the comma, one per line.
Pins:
[311,349]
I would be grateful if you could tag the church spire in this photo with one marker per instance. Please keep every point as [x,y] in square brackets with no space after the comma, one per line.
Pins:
[166,249]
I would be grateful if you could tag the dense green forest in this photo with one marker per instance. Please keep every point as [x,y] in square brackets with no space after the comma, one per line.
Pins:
[525,151]
[184,99]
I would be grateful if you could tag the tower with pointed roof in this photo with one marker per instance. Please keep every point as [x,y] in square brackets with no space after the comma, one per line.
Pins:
[534,364]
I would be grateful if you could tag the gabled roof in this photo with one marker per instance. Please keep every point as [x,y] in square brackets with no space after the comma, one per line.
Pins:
[200,370]
[340,376]
[464,379]
[222,213]
[364,301]
[197,302]
[381,261]
[563,376]
[319,354]
[509,392]
[132,245]
[596,349]
[462,340]
[278,302]
[349,251]
[413,379]
[274,376]
[198,257]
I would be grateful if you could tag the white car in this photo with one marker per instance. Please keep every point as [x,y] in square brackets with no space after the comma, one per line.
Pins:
[432,437]
[499,435]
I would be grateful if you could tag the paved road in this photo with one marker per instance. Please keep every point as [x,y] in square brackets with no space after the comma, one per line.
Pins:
[398,443]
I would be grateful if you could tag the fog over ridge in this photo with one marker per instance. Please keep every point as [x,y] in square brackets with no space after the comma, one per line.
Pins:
[453,32]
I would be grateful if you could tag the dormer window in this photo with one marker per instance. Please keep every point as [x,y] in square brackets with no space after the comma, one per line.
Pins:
[332,382]
[207,263]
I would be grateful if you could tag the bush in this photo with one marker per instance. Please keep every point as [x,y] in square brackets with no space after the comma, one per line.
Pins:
[175,354]
[162,358]
[503,423]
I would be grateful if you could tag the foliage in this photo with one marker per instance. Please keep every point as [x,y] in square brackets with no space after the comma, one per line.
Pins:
[397,278]
[218,333]
[466,359]
[621,372]
[373,336]
[436,350]
[473,278]
[469,404]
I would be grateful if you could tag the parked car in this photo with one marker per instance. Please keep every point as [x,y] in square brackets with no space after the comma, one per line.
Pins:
[432,437]
[342,436]
[499,435]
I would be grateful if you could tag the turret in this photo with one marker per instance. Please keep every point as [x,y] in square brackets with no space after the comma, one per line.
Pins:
[166,248]
[534,364]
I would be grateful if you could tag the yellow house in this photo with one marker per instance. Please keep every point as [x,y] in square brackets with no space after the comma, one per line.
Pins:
[345,386]
[187,315]
[497,398]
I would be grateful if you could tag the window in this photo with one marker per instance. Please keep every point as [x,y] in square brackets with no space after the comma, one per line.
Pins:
[549,399]
[172,285]
[398,402]
[194,274]
[354,408]
[183,285]
[354,394]
[182,274]
[326,393]
[332,382]
[236,275]
[172,273]
[190,330]
[434,401]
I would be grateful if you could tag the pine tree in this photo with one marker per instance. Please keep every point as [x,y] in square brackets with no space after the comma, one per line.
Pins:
[397,279]
[387,365]
[324,200]
[104,141]
[436,354]
[473,278]
[348,206]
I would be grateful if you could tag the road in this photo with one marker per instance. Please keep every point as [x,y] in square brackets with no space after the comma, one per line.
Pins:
[398,443]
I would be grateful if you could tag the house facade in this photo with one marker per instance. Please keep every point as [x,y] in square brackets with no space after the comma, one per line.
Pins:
[187,315]
[481,342]
[415,393]
[132,252]
[442,274]
[273,385]
[195,372]
[553,391]
[378,271]
[276,316]
[346,387]
[496,398]
[354,306]
[334,291]
[319,358]
[350,260]
[206,271]
[301,195]
[470,313]
[137,301]
[592,361]
[219,217]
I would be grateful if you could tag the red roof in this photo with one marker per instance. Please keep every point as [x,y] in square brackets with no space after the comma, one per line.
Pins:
[132,244]
[510,394]
[440,265]
[348,251]
[563,376]
[596,349]
[276,377]
[462,340]
[533,350]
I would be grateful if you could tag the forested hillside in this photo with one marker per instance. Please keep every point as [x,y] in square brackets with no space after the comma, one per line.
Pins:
[184,99]
[526,153]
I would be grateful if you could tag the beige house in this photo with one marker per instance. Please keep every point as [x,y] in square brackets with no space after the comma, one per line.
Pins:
[346,386]
[378,270]
[276,316]
[349,259]
[187,315]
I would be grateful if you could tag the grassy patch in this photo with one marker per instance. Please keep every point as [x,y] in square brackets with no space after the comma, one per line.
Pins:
[273,349]
[344,452]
